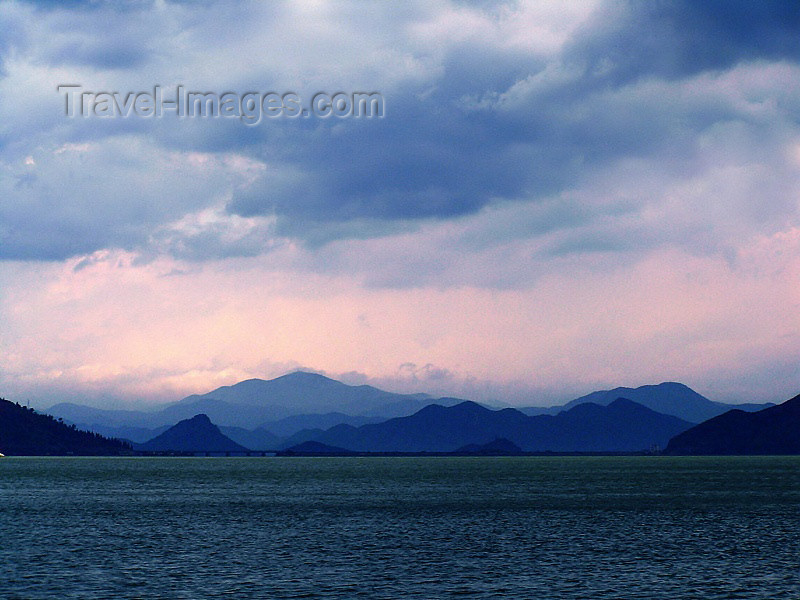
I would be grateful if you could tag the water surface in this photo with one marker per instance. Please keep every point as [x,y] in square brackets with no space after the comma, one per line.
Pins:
[532,527]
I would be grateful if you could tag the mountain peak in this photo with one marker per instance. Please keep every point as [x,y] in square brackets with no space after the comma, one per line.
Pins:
[467,407]
[498,447]
[668,397]
[625,426]
[470,406]
[301,392]
[623,402]
[201,419]
[197,434]
[307,377]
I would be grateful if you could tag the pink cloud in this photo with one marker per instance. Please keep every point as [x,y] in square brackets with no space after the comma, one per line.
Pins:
[142,331]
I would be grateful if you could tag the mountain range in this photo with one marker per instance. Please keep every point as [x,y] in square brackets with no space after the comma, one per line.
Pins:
[669,398]
[621,426]
[281,406]
[773,430]
[310,393]
[301,407]
[471,429]
[298,406]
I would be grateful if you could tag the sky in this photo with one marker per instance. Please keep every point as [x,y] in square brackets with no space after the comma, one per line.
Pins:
[559,197]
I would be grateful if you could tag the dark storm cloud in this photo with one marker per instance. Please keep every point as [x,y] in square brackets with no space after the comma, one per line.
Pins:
[434,158]
[105,54]
[89,5]
[429,159]
[103,36]
[628,40]
[475,124]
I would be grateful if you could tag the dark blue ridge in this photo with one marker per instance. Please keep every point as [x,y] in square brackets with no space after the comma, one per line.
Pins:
[24,432]
[197,434]
[774,430]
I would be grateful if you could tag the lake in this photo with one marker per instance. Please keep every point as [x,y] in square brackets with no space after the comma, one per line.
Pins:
[495,527]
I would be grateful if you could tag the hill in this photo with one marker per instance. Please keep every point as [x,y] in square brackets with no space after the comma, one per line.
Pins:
[256,439]
[621,426]
[668,398]
[24,432]
[498,447]
[197,434]
[312,448]
[774,430]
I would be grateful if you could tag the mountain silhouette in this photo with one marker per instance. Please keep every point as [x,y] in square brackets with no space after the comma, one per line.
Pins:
[303,393]
[135,424]
[197,434]
[497,447]
[774,430]
[667,398]
[257,439]
[24,432]
[290,425]
[621,426]
[286,411]
[258,402]
[312,448]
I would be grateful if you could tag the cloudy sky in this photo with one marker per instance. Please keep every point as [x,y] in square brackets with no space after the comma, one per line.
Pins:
[560,197]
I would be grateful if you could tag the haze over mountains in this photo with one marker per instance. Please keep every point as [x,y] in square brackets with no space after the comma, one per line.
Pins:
[621,426]
[282,406]
[669,398]
[302,400]
[258,415]
[301,393]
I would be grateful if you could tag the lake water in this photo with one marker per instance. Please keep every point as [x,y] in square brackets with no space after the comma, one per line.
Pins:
[528,528]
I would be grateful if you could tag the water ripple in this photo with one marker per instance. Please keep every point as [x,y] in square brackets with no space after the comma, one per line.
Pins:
[599,528]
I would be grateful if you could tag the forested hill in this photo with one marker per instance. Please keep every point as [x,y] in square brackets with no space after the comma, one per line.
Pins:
[24,432]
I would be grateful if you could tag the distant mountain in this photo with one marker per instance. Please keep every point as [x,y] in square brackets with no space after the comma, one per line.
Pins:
[498,447]
[24,432]
[302,393]
[407,406]
[101,420]
[312,448]
[621,426]
[302,406]
[290,425]
[197,434]
[304,435]
[774,430]
[257,439]
[133,434]
[219,411]
[668,398]
[81,415]
[261,402]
